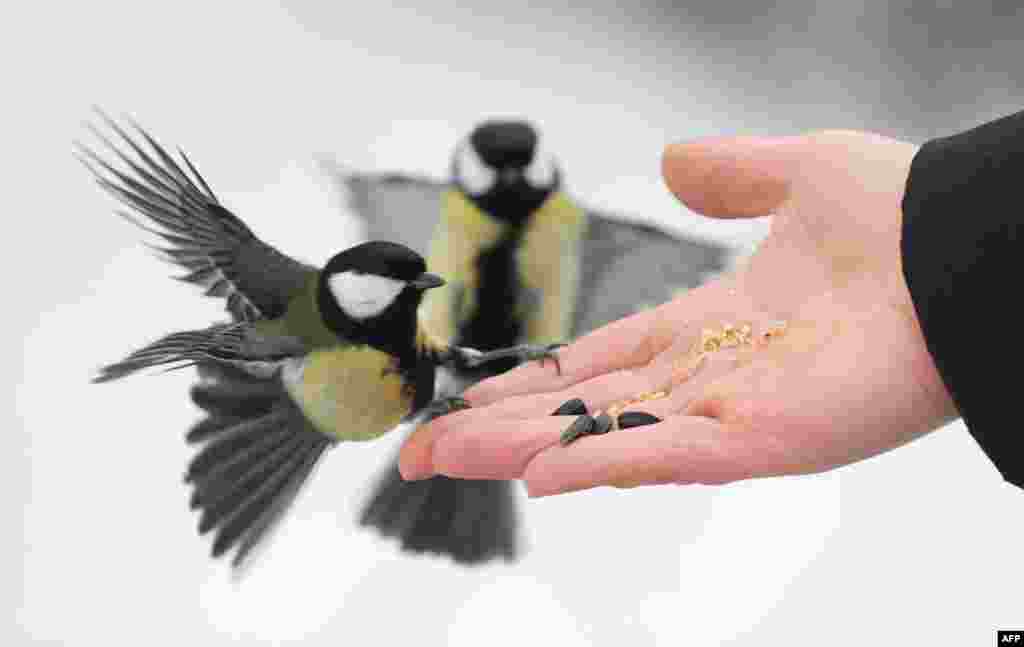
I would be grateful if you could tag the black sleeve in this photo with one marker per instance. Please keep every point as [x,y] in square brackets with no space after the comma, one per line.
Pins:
[962,247]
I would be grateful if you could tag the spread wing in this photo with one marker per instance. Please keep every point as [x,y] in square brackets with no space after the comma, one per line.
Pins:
[393,206]
[218,250]
[257,447]
[239,345]
[625,266]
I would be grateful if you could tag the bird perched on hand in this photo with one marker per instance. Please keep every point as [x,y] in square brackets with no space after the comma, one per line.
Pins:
[311,357]
[508,239]
[528,263]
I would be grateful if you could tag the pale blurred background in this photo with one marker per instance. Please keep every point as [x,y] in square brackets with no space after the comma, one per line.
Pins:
[920,546]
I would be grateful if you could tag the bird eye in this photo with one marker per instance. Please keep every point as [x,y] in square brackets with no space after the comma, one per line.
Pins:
[474,176]
[540,173]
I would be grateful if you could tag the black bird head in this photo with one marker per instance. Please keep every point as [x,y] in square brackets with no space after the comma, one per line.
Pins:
[370,293]
[502,167]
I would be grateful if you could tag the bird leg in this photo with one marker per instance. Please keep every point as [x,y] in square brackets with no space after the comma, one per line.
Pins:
[441,407]
[524,352]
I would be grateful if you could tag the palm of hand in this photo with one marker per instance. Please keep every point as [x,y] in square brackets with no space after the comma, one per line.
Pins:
[849,378]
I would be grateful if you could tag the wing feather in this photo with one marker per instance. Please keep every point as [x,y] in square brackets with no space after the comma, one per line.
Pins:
[235,344]
[175,203]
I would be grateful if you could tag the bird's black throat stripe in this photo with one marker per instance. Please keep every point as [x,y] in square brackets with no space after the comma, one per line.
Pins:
[513,203]
[492,325]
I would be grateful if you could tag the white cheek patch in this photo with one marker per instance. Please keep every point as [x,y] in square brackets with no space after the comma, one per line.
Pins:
[540,173]
[475,176]
[364,295]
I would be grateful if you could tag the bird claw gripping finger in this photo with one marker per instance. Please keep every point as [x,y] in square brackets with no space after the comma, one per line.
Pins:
[442,407]
[542,353]
[525,353]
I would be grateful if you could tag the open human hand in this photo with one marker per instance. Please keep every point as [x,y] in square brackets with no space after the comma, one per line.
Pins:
[845,377]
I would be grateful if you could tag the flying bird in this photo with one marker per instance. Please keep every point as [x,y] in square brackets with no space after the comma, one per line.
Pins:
[310,356]
[528,264]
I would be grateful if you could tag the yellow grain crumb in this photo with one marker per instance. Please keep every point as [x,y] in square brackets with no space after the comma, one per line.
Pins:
[730,335]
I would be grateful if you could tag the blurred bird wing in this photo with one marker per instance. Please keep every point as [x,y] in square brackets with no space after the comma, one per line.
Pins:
[219,251]
[627,267]
[624,266]
[396,207]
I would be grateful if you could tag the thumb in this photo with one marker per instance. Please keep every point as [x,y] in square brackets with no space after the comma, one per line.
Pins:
[730,177]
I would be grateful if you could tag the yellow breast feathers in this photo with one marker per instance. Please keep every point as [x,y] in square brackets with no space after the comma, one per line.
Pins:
[351,393]
[548,260]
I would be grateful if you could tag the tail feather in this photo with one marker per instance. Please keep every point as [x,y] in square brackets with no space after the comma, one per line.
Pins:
[257,451]
[235,471]
[267,520]
[472,521]
[210,426]
[393,509]
[236,398]
[245,518]
[230,493]
[233,442]
[490,529]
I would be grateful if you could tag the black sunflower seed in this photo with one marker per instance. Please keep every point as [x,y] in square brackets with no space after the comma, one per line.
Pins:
[574,407]
[637,419]
[580,427]
[602,424]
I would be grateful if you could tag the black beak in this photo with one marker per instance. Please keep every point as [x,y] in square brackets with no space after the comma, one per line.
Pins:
[426,281]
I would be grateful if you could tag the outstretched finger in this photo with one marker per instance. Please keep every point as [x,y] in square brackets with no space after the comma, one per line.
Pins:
[727,177]
[477,439]
[474,445]
[628,343]
[681,449]
[620,345]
